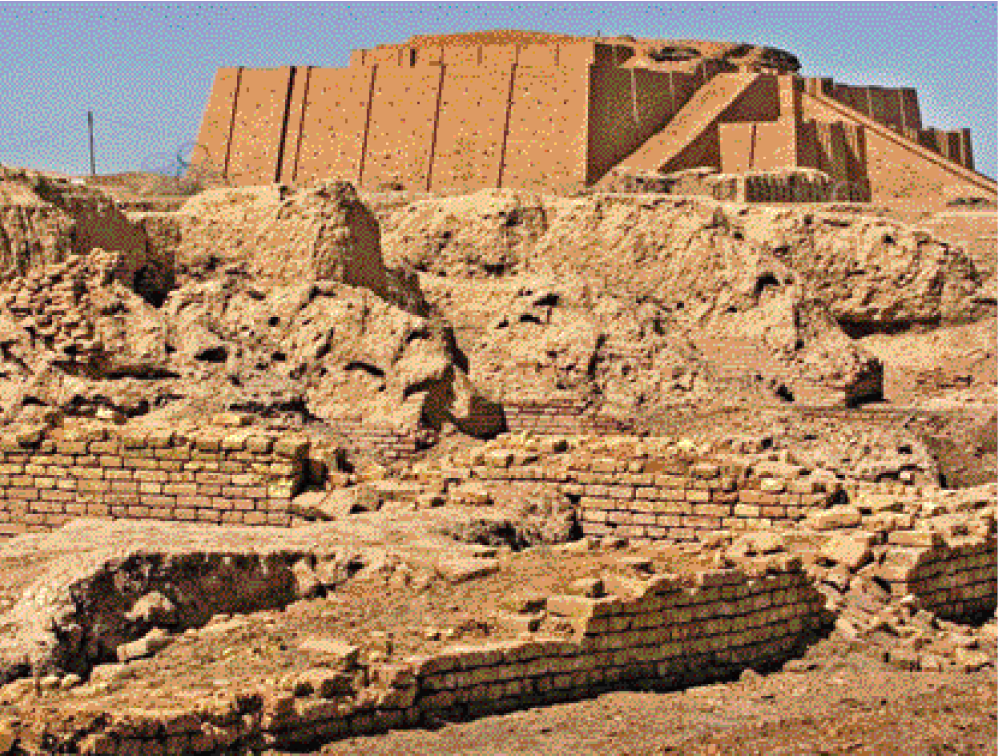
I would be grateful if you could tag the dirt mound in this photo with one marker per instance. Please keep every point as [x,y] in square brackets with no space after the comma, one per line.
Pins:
[280,305]
[488,233]
[44,219]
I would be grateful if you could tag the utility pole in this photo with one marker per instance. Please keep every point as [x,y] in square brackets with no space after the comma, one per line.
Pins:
[90,128]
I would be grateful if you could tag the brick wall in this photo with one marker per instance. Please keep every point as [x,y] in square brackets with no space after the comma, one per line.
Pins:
[665,497]
[666,633]
[953,578]
[560,417]
[214,476]
[660,632]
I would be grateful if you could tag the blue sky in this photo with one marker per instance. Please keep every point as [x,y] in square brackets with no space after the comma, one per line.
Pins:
[146,69]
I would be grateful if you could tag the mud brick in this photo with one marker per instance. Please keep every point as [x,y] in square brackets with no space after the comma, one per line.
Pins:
[48,507]
[103,447]
[254,518]
[291,447]
[161,513]
[117,486]
[146,487]
[151,476]
[205,489]
[748,510]
[170,465]
[216,479]
[77,508]
[697,495]
[160,438]
[180,489]
[140,511]
[209,515]
[254,492]
[259,444]
[278,518]
[194,502]
[669,520]
[74,448]
[713,510]
[242,504]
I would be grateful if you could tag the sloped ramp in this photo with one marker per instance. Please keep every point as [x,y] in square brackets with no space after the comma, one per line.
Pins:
[700,113]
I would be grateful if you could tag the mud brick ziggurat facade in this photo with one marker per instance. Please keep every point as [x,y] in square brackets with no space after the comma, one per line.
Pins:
[557,113]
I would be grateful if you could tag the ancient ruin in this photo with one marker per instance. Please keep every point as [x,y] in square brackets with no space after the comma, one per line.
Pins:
[556,113]
[607,384]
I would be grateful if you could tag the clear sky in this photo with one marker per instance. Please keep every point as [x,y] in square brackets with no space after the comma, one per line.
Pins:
[146,69]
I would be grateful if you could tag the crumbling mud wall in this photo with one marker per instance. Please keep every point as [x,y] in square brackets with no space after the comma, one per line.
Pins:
[646,629]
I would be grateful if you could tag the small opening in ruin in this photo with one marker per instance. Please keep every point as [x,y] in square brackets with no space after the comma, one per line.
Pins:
[278,356]
[365,367]
[766,280]
[149,286]
[214,354]
[273,320]
[784,393]
[513,219]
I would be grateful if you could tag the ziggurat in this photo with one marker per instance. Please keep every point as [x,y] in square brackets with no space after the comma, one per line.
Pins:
[557,113]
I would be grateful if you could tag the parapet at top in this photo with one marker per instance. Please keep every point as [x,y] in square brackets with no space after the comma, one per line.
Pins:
[617,50]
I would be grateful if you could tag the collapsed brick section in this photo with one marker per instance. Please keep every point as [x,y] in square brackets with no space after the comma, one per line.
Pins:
[675,497]
[213,476]
[657,630]
[660,632]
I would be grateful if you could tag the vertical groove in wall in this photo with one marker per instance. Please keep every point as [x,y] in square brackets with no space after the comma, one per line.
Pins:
[436,121]
[751,154]
[301,122]
[367,126]
[232,122]
[282,138]
[505,127]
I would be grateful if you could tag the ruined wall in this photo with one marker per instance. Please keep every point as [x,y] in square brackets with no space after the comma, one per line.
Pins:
[214,476]
[954,580]
[670,497]
[659,631]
